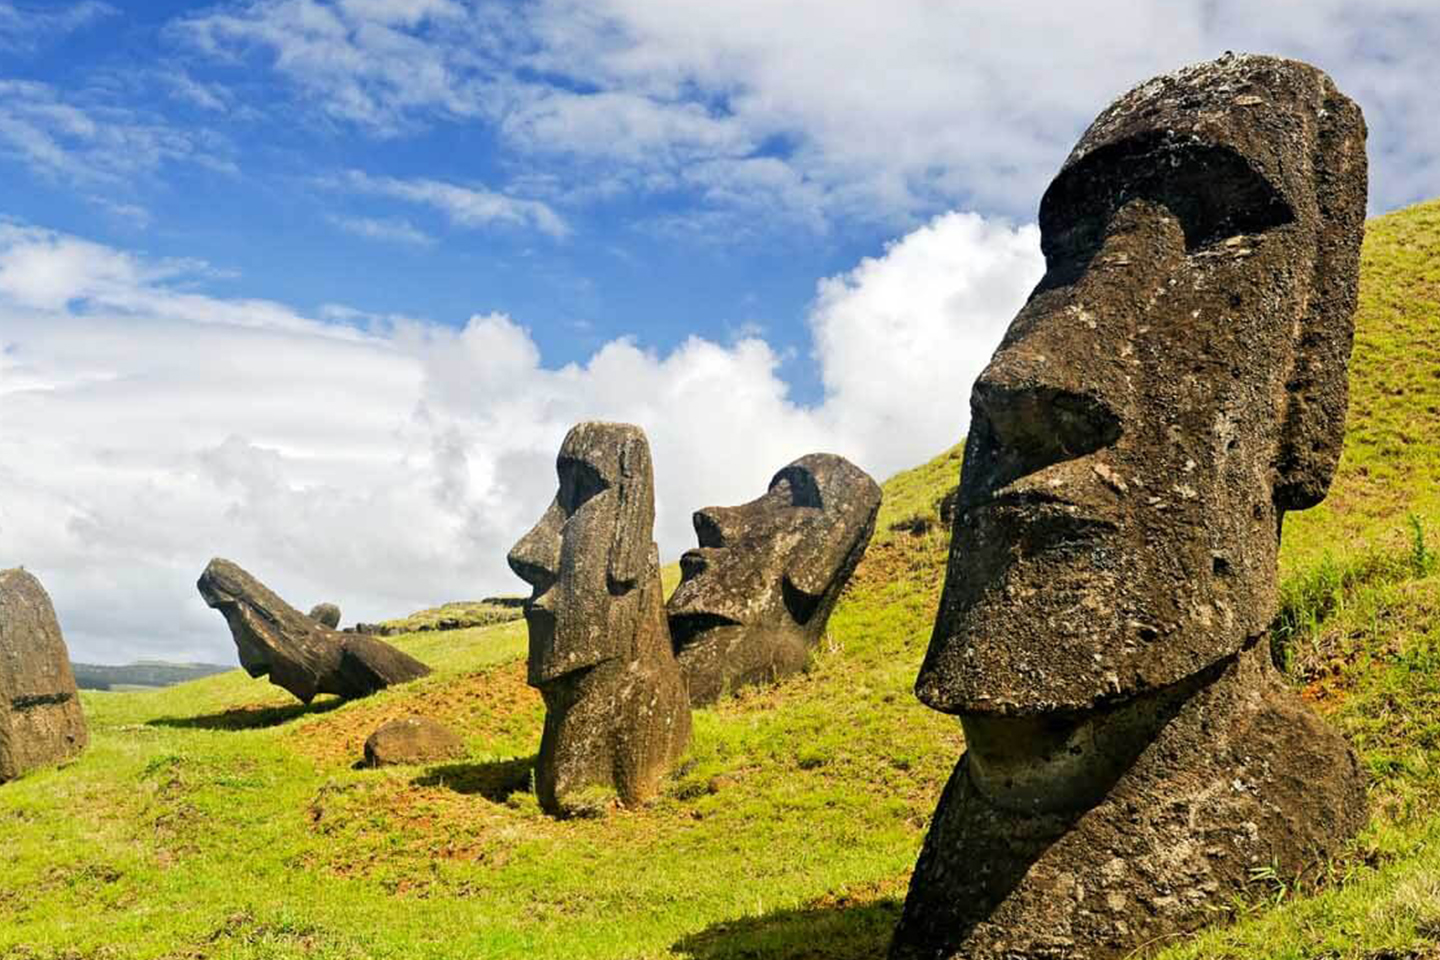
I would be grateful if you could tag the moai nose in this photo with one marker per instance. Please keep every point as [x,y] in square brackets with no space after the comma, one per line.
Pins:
[535,558]
[1034,423]
[716,526]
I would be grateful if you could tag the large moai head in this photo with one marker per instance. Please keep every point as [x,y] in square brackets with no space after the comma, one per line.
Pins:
[1173,386]
[1175,383]
[616,713]
[756,594]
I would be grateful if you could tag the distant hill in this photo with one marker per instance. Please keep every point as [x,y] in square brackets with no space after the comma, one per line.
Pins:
[145,673]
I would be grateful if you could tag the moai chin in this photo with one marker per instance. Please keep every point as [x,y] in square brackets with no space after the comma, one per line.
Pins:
[1174,385]
[757,593]
[616,712]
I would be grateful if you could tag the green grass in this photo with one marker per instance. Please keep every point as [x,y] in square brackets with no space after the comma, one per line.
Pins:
[220,819]
[459,614]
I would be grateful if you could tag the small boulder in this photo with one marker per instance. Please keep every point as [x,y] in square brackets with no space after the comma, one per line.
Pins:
[327,614]
[412,740]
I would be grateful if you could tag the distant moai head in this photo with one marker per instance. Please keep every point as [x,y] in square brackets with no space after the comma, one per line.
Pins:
[589,552]
[1173,386]
[756,594]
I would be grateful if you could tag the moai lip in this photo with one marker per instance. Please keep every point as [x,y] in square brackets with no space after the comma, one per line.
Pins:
[296,652]
[756,594]
[40,717]
[1174,385]
[617,716]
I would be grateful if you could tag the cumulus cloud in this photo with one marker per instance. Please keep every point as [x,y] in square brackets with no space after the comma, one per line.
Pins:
[874,113]
[389,465]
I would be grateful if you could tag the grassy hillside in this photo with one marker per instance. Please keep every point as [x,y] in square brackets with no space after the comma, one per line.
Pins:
[220,819]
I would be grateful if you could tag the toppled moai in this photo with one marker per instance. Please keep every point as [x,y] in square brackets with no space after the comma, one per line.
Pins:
[616,711]
[326,614]
[755,596]
[299,654]
[40,717]
[1174,385]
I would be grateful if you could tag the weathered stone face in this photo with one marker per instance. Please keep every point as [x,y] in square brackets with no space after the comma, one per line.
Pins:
[40,717]
[1174,385]
[757,593]
[617,715]
[299,654]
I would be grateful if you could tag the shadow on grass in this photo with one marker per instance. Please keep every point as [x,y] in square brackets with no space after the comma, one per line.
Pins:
[853,931]
[250,717]
[494,780]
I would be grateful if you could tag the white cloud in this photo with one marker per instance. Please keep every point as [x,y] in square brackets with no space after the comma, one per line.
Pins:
[148,427]
[89,145]
[373,228]
[466,206]
[25,28]
[879,112]
[383,64]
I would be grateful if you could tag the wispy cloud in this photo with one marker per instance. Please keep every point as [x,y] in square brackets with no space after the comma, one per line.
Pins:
[465,206]
[876,114]
[28,27]
[385,65]
[60,137]
[393,230]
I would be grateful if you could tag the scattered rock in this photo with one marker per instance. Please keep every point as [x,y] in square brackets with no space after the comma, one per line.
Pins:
[297,653]
[617,716]
[40,717]
[1174,385]
[756,594]
[412,740]
[327,614]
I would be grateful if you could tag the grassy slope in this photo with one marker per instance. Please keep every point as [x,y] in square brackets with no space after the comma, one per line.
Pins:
[220,819]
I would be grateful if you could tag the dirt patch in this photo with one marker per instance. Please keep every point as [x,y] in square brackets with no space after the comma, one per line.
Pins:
[495,703]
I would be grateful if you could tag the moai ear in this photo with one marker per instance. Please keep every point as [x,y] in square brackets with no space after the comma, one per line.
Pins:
[1317,391]
[823,552]
[634,515]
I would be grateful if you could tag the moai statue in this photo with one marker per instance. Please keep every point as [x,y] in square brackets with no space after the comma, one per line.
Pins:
[616,713]
[40,717]
[326,614]
[756,595]
[298,653]
[1175,385]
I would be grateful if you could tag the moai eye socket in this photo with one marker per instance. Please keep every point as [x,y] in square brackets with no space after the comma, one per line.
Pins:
[801,486]
[1213,191]
[579,482]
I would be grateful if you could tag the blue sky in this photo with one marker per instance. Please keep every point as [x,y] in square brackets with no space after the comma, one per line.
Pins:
[319,284]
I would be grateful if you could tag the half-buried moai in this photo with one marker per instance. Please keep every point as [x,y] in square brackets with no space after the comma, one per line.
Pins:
[616,713]
[757,593]
[1174,385]
[40,718]
[299,654]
